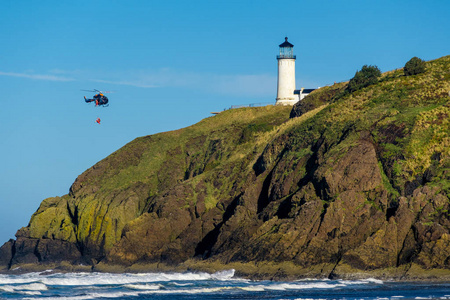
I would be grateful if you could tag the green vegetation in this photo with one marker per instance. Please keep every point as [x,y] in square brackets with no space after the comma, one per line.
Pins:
[414,66]
[407,118]
[368,75]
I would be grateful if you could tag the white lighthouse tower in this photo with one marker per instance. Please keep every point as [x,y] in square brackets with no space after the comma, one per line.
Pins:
[286,75]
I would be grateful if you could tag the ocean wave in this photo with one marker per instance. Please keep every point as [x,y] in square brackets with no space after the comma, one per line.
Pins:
[253,288]
[361,281]
[143,286]
[182,284]
[374,280]
[203,290]
[189,285]
[20,279]
[88,279]
[120,294]
[125,294]
[223,275]
[25,289]
[81,297]
[169,283]
[306,284]
[312,285]
[32,287]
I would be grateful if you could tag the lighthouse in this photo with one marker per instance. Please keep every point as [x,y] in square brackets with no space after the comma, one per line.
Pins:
[286,75]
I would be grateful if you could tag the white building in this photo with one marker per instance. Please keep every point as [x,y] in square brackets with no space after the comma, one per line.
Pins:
[286,75]
[302,93]
[286,92]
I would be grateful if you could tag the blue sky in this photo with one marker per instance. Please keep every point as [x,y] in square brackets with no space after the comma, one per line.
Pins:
[170,64]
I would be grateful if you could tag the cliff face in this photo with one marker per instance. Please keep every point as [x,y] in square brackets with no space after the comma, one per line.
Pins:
[340,182]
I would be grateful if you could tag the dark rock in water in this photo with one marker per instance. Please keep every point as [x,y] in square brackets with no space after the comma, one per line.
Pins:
[351,183]
[25,251]
[32,251]
[6,254]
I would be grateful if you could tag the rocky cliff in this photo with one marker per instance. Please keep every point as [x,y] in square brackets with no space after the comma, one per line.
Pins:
[341,184]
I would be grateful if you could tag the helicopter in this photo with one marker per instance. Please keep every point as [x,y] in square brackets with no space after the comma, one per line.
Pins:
[99,98]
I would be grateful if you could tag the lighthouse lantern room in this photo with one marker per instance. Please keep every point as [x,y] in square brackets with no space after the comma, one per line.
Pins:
[286,50]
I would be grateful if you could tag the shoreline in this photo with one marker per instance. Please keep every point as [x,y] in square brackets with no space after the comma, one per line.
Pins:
[283,271]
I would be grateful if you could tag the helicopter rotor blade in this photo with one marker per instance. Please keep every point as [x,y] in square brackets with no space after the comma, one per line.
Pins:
[98,91]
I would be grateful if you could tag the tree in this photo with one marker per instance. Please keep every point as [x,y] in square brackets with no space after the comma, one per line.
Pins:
[414,66]
[366,76]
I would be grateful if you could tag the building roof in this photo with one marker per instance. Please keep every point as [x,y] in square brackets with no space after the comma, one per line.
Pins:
[304,91]
[286,44]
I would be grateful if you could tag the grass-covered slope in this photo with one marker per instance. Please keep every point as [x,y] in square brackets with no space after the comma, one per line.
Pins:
[406,116]
[349,183]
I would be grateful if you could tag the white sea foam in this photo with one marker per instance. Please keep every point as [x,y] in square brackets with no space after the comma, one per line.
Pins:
[30,293]
[88,279]
[312,279]
[93,296]
[82,297]
[207,290]
[19,279]
[86,286]
[32,284]
[114,295]
[7,288]
[361,281]
[25,289]
[276,287]
[291,286]
[345,282]
[32,287]
[374,280]
[162,291]
[310,285]
[193,291]
[223,275]
[182,284]
[303,285]
[253,288]
[143,286]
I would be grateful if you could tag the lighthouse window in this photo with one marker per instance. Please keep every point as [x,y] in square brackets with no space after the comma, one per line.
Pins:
[286,52]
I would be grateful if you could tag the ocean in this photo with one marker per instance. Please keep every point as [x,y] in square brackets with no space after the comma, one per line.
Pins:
[221,285]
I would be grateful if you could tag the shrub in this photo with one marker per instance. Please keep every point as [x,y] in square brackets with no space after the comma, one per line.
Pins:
[366,76]
[414,66]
